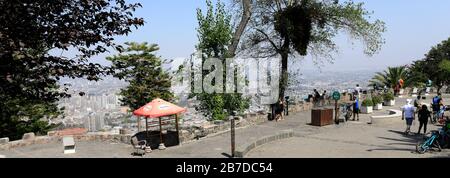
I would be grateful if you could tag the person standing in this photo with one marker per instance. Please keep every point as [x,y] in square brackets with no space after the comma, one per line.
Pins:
[355,108]
[324,98]
[279,110]
[424,114]
[357,91]
[316,98]
[408,113]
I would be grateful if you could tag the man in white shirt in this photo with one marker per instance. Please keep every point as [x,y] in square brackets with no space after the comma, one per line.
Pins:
[358,91]
[408,113]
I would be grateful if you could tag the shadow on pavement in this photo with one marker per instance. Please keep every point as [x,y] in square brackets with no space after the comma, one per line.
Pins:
[226,155]
[406,140]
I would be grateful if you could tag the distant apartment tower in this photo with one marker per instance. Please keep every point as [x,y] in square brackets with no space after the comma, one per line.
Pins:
[94,122]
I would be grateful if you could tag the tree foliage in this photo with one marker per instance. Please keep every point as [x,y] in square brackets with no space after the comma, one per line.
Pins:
[391,76]
[435,66]
[142,69]
[296,27]
[215,34]
[32,32]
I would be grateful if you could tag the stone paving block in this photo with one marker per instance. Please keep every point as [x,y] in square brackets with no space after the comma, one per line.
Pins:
[4,140]
[28,136]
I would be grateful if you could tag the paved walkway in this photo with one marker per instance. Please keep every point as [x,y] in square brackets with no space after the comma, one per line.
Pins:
[384,138]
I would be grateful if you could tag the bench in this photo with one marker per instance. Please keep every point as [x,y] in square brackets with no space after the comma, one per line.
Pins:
[69,145]
[393,113]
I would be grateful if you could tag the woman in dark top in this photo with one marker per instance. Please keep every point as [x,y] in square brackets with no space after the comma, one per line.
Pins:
[424,114]
[279,110]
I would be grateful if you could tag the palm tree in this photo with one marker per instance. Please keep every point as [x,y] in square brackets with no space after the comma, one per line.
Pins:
[390,77]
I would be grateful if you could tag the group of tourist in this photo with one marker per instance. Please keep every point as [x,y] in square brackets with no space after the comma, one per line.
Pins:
[409,112]
[320,99]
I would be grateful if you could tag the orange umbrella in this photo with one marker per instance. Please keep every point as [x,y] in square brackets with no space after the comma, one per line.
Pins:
[156,109]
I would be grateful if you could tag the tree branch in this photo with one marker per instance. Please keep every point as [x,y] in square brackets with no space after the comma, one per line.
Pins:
[246,15]
[268,39]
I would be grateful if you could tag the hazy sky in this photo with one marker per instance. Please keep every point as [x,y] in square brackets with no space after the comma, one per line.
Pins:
[413,26]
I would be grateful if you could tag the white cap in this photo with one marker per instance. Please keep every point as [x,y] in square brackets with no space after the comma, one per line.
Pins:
[408,101]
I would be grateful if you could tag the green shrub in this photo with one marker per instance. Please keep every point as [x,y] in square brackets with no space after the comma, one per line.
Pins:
[367,103]
[377,100]
[388,96]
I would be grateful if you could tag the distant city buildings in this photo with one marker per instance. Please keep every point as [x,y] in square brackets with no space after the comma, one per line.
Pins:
[99,109]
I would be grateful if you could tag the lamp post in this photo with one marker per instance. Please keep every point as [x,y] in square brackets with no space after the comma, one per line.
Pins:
[233,136]
[287,105]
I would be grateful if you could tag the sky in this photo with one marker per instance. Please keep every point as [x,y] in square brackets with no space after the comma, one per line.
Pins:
[413,27]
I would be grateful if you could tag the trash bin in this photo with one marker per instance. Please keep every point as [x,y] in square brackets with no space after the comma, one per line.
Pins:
[322,116]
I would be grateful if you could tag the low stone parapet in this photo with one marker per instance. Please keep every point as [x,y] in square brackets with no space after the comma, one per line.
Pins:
[186,134]
[242,150]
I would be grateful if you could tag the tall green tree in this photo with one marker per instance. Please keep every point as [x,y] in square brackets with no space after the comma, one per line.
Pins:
[142,69]
[215,35]
[33,38]
[291,28]
[435,65]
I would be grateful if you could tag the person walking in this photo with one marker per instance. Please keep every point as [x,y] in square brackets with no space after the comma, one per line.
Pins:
[355,108]
[408,113]
[424,114]
[436,106]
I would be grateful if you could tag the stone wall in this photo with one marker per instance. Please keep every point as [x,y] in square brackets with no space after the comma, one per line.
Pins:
[186,134]
[27,141]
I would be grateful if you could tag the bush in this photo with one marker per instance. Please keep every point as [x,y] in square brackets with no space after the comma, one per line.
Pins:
[377,100]
[388,96]
[367,103]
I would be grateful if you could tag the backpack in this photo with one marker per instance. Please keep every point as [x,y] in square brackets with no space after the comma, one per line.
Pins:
[436,100]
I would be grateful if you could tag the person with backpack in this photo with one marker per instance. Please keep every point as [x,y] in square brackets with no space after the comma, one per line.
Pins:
[436,104]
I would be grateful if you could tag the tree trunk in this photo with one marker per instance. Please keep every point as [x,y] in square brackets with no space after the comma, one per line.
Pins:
[284,52]
[284,75]
[246,14]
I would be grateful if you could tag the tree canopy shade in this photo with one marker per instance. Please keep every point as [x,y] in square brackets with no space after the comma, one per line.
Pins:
[30,33]
[295,27]
[139,66]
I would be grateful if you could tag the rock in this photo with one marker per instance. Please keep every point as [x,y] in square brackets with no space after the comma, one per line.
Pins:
[218,122]
[28,136]
[124,132]
[4,140]
[52,133]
